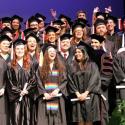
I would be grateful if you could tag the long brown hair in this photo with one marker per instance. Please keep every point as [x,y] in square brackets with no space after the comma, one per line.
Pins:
[84,37]
[45,69]
[26,60]
[85,60]
[37,51]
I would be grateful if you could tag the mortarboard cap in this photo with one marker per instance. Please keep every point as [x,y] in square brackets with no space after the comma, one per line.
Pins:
[110,17]
[66,17]
[32,35]
[47,46]
[17,17]
[4,37]
[101,14]
[58,22]
[97,37]
[77,24]
[51,29]
[81,20]
[19,42]
[99,22]
[6,30]
[33,19]
[28,31]
[6,20]
[40,17]
[65,36]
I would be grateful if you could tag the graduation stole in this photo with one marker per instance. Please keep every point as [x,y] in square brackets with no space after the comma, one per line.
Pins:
[52,105]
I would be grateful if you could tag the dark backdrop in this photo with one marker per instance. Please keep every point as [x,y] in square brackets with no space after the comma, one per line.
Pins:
[26,8]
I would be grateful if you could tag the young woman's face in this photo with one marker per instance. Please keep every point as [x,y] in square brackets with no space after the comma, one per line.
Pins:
[4,46]
[15,24]
[79,55]
[20,50]
[31,44]
[52,37]
[78,32]
[51,54]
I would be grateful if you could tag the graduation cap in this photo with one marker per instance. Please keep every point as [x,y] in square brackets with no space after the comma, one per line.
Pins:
[17,17]
[81,20]
[99,22]
[65,36]
[33,19]
[32,35]
[6,20]
[110,17]
[47,46]
[66,17]
[40,17]
[6,30]
[97,37]
[77,24]
[51,29]
[19,42]
[101,14]
[58,22]
[28,31]
[4,37]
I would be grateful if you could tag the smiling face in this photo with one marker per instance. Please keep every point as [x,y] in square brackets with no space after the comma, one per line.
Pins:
[101,30]
[95,44]
[51,37]
[4,46]
[19,51]
[78,32]
[34,25]
[51,53]
[110,25]
[65,44]
[6,25]
[15,24]
[79,55]
[31,44]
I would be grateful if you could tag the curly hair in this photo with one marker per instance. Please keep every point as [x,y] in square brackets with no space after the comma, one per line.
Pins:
[45,69]
[26,60]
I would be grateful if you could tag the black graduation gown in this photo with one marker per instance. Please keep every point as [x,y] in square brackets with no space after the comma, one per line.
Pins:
[20,111]
[69,58]
[119,72]
[58,118]
[116,39]
[4,111]
[34,106]
[109,46]
[86,80]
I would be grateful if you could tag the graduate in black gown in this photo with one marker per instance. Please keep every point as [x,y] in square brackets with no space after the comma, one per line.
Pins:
[4,60]
[35,54]
[84,82]
[20,84]
[52,82]
[104,63]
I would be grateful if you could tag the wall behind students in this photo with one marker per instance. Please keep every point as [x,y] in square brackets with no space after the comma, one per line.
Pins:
[26,8]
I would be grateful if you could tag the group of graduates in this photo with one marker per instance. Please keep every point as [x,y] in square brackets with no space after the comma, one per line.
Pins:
[62,73]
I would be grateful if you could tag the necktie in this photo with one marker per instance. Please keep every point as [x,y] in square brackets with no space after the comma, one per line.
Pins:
[65,55]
